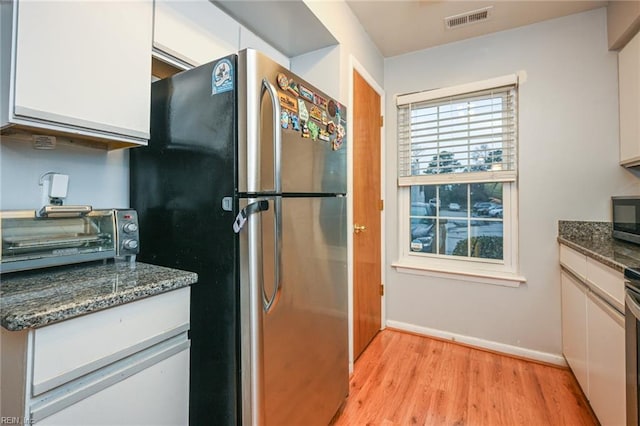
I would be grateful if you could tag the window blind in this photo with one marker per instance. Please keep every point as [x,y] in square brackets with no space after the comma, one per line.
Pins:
[468,137]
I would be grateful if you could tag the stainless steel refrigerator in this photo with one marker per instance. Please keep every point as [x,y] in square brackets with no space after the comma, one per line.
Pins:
[244,182]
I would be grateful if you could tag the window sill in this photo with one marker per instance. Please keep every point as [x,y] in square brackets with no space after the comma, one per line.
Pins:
[505,279]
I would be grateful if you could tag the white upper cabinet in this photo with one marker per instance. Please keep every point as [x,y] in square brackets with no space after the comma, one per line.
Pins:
[193,32]
[629,86]
[79,69]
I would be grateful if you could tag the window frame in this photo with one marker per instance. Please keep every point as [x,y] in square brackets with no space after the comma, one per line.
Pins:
[490,271]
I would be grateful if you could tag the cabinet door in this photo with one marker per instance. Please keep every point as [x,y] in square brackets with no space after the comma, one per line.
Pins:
[606,354]
[629,87]
[84,65]
[158,395]
[196,32]
[574,328]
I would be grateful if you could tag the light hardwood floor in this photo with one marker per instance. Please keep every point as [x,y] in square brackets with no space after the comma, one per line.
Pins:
[404,379]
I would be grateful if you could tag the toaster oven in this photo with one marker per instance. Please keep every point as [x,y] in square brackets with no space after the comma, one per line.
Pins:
[65,236]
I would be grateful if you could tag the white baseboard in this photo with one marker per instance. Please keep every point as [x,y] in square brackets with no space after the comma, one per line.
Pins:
[481,343]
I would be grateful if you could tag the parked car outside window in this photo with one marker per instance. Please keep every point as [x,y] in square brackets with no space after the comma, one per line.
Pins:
[495,212]
[423,229]
[482,208]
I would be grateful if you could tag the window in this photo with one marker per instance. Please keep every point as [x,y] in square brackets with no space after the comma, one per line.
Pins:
[457,174]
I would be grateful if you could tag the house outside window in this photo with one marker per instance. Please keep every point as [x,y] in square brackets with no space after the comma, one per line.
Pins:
[457,177]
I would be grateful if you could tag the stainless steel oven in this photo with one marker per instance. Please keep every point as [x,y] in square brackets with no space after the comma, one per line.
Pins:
[632,342]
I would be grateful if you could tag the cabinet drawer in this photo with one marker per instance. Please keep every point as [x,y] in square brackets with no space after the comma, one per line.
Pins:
[574,261]
[607,280]
[161,393]
[72,348]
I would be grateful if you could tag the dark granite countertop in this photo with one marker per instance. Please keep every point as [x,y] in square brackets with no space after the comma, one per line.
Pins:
[36,298]
[593,239]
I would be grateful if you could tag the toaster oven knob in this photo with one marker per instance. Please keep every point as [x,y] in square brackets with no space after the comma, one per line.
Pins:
[130,228]
[130,244]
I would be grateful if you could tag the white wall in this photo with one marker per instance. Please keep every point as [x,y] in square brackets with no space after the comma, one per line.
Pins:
[96,177]
[321,68]
[353,41]
[568,170]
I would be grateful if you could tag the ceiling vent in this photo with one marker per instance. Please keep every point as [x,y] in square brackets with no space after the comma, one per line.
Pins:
[467,18]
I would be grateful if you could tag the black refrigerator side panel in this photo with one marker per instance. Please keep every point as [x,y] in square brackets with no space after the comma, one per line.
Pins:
[177,184]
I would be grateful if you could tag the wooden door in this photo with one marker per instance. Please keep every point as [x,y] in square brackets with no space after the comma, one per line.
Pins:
[366,213]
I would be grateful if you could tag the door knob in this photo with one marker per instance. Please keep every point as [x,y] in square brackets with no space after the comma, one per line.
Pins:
[359,228]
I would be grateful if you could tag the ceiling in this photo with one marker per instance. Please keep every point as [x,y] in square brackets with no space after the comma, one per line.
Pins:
[395,26]
[403,26]
[281,24]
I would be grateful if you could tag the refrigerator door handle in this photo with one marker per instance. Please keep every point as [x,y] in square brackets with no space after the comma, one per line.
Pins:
[269,303]
[241,218]
[277,140]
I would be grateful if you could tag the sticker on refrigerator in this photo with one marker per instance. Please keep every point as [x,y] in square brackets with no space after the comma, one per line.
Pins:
[284,119]
[295,122]
[324,136]
[340,133]
[305,93]
[332,108]
[314,129]
[293,88]
[283,81]
[304,114]
[316,113]
[305,129]
[288,102]
[320,101]
[222,77]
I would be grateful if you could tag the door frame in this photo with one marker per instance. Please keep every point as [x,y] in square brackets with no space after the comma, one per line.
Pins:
[355,65]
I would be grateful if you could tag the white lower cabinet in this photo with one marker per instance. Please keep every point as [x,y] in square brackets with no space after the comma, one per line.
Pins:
[126,365]
[606,355]
[574,328]
[593,334]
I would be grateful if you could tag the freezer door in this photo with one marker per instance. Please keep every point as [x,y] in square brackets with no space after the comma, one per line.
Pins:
[294,313]
[287,125]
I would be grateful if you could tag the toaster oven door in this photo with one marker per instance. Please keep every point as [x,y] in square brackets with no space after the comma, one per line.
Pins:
[29,242]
